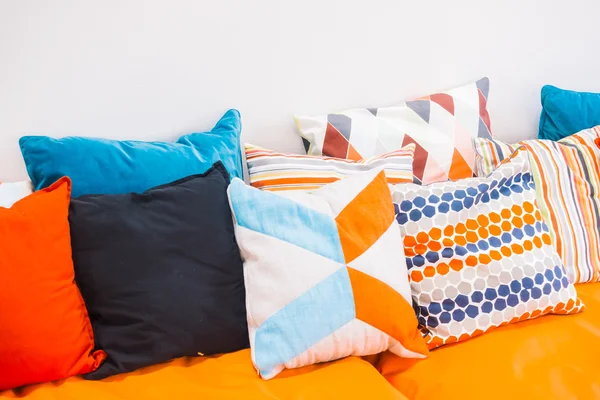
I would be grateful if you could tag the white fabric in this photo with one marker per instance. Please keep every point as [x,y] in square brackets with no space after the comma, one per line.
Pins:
[11,192]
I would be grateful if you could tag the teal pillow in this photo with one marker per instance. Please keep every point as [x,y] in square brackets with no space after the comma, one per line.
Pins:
[104,166]
[565,112]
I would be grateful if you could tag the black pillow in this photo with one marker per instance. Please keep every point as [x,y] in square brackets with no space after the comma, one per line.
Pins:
[160,272]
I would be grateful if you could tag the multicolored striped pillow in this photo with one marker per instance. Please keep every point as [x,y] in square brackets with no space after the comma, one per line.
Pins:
[567,177]
[274,171]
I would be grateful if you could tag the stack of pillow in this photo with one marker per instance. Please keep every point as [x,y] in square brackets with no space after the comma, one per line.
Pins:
[393,233]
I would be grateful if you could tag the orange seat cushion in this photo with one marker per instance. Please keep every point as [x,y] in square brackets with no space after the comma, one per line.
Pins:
[552,357]
[45,333]
[228,376]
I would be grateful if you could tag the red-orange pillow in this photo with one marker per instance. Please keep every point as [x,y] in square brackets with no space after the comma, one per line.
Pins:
[45,332]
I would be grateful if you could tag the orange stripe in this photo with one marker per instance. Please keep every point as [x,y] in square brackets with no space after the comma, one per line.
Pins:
[293,181]
[286,188]
[470,231]
[583,203]
[584,196]
[552,214]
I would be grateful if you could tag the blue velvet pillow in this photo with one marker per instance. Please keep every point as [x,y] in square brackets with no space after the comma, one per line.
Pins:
[104,166]
[565,112]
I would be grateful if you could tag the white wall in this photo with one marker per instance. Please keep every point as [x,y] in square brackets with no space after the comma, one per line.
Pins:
[155,69]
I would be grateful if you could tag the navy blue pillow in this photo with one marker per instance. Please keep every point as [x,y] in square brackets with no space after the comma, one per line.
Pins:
[160,272]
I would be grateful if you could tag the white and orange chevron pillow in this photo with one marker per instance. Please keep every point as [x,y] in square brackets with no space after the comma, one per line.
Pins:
[325,274]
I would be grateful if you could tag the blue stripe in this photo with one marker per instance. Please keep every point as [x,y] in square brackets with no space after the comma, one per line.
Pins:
[284,219]
[452,201]
[314,315]
[505,295]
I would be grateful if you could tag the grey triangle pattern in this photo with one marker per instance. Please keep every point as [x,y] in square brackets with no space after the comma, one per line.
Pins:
[484,86]
[421,107]
[342,123]
[372,111]
[483,131]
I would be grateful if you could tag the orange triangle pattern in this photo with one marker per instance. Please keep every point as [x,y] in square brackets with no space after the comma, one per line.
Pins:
[460,168]
[369,294]
[353,154]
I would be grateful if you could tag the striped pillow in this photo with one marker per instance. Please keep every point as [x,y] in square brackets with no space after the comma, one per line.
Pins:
[567,178]
[274,171]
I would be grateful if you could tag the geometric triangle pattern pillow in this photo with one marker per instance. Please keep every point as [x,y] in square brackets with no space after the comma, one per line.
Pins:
[567,179]
[325,277]
[479,254]
[441,125]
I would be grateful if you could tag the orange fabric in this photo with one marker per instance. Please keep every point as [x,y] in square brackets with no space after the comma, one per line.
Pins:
[45,333]
[460,167]
[552,357]
[369,310]
[229,376]
[359,229]
[352,153]
[283,181]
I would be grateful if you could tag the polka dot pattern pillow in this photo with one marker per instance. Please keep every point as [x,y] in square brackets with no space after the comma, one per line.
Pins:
[479,254]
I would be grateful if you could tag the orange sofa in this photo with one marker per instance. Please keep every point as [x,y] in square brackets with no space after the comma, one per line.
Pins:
[553,357]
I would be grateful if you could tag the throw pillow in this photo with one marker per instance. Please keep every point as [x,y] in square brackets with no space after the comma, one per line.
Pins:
[440,125]
[10,192]
[45,332]
[274,171]
[567,179]
[565,112]
[325,277]
[103,166]
[479,254]
[160,272]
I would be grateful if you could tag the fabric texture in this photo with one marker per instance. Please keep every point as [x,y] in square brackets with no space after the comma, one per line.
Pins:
[11,192]
[565,112]
[45,332]
[273,171]
[325,277]
[104,166]
[160,272]
[440,125]
[543,358]
[567,178]
[479,254]
[223,377]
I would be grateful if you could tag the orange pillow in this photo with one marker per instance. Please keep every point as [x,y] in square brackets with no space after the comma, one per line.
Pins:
[45,332]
